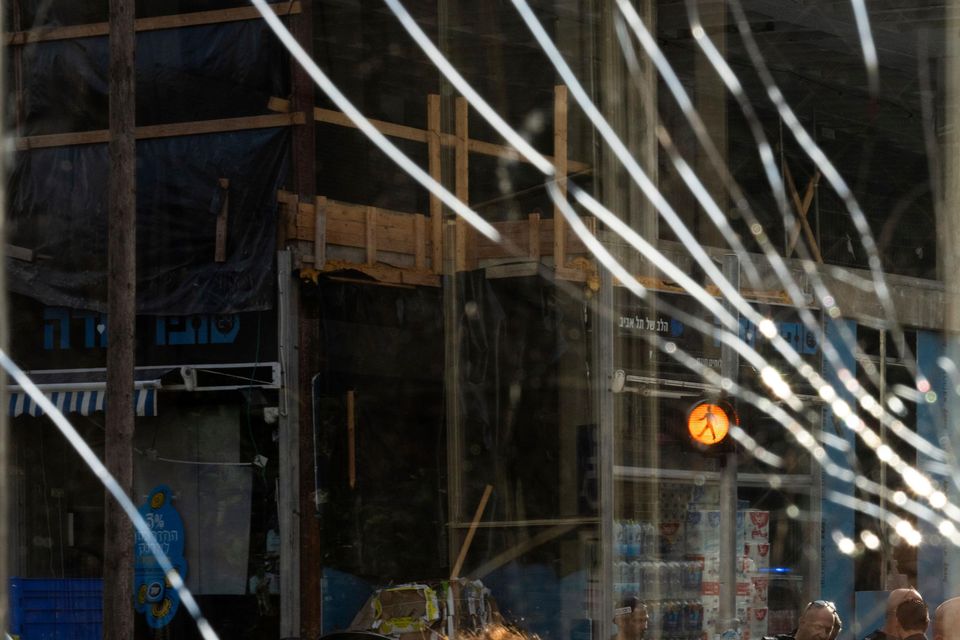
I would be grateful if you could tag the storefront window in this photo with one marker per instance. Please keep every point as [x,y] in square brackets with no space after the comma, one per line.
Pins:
[650,335]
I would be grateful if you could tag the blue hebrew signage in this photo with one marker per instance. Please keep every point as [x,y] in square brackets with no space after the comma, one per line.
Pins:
[153,595]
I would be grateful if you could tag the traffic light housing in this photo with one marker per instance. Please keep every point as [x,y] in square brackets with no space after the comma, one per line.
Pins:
[708,426]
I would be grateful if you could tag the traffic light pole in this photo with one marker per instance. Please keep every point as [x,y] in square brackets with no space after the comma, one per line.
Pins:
[727,620]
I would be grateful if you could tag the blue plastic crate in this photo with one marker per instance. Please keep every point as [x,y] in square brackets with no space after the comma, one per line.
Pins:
[56,609]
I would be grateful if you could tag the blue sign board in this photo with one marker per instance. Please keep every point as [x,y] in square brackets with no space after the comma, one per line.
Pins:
[153,594]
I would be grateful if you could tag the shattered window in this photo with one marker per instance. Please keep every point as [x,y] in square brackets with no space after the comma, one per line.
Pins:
[410,321]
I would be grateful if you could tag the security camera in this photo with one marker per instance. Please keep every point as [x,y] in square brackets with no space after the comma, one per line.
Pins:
[189,375]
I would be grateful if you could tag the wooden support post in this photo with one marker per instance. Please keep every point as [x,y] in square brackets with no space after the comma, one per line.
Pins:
[220,252]
[462,181]
[289,209]
[121,306]
[17,64]
[371,232]
[434,146]
[802,209]
[351,439]
[560,162]
[455,573]
[419,242]
[300,591]
[534,240]
[320,233]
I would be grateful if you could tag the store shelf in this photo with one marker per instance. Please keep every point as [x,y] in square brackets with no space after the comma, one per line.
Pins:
[542,522]
[646,474]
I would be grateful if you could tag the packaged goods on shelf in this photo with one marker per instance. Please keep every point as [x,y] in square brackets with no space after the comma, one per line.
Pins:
[758,622]
[703,528]
[757,525]
[671,539]
[759,553]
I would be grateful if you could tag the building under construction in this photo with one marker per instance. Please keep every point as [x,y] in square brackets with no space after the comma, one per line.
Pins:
[342,385]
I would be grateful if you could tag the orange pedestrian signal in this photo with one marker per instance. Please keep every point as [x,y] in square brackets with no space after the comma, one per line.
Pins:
[709,423]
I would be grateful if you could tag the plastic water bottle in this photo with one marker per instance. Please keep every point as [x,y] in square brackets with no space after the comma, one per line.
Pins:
[672,618]
[636,576]
[649,534]
[649,579]
[621,577]
[619,541]
[693,617]
[634,534]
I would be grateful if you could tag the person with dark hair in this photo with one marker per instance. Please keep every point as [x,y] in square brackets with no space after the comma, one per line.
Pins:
[913,619]
[818,621]
[891,629]
[631,618]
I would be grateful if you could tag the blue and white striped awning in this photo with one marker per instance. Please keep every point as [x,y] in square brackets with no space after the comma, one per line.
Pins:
[82,401]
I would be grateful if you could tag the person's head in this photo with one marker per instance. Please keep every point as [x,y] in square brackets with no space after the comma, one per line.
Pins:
[631,618]
[894,600]
[819,621]
[912,617]
[946,620]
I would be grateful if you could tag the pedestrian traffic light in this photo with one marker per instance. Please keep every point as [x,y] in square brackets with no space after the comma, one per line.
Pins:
[708,425]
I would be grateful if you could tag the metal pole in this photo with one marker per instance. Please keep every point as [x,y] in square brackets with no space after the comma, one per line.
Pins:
[603,368]
[885,579]
[727,620]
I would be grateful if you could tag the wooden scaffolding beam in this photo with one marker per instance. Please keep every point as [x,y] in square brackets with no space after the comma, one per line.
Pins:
[193,19]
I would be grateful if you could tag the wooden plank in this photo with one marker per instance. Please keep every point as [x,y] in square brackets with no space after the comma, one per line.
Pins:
[455,573]
[383,274]
[279,105]
[18,253]
[320,231]
[371,232]
[157,23]
[560,164]
[346,226]
[220,251]
[515,270]
[436,172]
[811,240]
[509,153]
[517,234]
[292,209]
[571,274]
[330,116]
[396,232]
[533,238]
[199,127]
[419,278]
[419,242]
[461,180]
[802,207]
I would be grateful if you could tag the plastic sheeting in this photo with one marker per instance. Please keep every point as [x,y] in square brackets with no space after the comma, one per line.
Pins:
[58,196]
[58,209]
[193,73]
